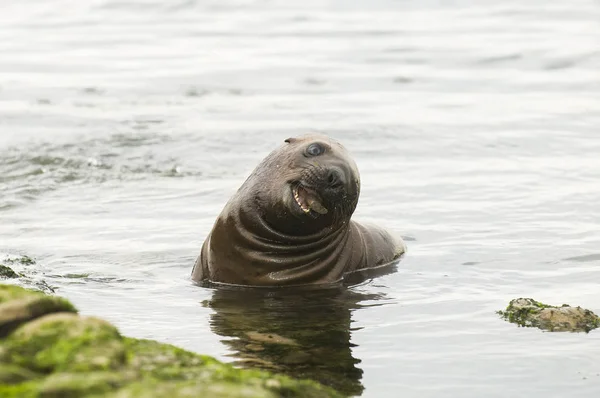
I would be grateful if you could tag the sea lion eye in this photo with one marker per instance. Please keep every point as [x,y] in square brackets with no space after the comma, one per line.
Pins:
[315,150]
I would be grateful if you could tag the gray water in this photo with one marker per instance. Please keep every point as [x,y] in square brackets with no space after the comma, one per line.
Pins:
[126,125]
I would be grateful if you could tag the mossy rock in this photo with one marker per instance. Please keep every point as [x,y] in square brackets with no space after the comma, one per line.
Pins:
[53,352]
[165,362]
[191,389]
[528,312]
[19,305]
[65,342]
[67,385]
[11,374]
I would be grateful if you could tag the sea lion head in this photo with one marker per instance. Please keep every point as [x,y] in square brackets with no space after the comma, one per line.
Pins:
[307,185]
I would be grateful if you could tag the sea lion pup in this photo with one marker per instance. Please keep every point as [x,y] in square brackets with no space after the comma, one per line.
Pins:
[289,223]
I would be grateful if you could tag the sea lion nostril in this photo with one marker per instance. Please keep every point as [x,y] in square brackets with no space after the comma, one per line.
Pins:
[332,178]
[335,178]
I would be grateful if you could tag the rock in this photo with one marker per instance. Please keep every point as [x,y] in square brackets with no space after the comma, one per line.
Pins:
[11,374]
[7,272]
[530,313]
[50,351]
[192,389]
[61,385]
[65,342]
[19,305]
[24,268]
[24,260]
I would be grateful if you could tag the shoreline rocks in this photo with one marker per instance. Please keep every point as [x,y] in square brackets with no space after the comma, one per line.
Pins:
[48,350]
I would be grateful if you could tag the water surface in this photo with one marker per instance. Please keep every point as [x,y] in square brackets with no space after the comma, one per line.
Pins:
[126,125]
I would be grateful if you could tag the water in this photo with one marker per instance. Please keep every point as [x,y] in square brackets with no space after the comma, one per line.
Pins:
[126,125]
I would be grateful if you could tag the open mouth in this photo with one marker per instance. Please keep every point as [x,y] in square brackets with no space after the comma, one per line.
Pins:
[308,200]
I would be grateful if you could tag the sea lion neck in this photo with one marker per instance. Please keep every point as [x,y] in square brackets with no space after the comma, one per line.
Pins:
[271,257]
[252,220]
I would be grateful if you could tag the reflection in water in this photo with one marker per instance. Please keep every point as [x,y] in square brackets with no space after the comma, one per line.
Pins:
[305,334]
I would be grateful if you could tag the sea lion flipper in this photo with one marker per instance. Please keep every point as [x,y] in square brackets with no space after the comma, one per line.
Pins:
[380,245]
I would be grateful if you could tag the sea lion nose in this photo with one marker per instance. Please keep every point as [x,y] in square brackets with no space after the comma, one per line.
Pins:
[336,178]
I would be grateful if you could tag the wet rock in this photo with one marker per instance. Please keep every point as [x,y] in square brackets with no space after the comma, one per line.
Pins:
[530,313]
[24,260]
[24,268]
[50,351]
[7,272]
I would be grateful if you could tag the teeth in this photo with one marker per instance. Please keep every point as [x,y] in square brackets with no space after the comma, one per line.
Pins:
[313,204]
[304,209]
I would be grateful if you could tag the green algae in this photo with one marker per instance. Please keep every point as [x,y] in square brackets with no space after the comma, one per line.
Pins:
[521,314]
[191,389]
[527,312]
[67,385]
[169,363]
[65,342]
[29,389]
[62,354]
[24,260]
[19,305]
[11,374]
